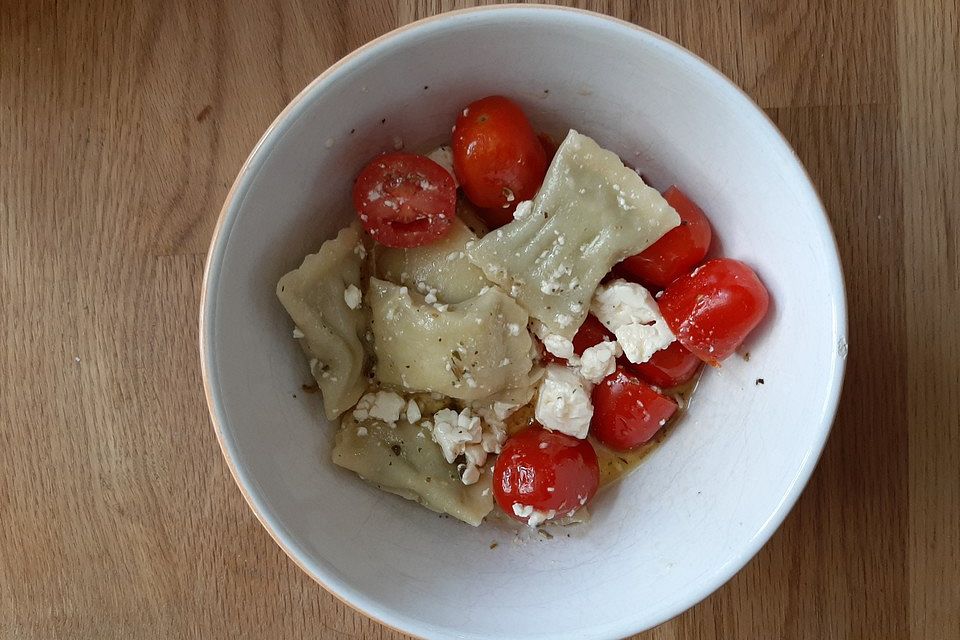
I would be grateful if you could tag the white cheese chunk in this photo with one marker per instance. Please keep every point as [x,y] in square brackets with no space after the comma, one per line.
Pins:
[563,403]
[599,361]
[352,296]
[534,517]
[631,313]
[381,405]
[413,411]
[464,434]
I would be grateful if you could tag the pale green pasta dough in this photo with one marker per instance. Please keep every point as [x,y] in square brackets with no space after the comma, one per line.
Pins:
[404,460]
[590,213]
[467,351]
[331,332]
[441,266]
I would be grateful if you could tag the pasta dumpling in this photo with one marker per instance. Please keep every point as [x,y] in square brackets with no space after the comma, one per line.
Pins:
[467,351]
[403,459]
[590,213]
[330,330]
[441,266]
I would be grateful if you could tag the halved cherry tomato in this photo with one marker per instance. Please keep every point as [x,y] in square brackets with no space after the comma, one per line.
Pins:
[668,367]
[678,251]
[496,155]
[627,412]
[405,200]
[545,470]
[712,309]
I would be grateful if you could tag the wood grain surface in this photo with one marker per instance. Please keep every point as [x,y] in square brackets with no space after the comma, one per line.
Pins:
[122,125]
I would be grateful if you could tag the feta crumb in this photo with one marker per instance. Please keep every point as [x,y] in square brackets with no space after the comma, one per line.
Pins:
[505,362]
[297,333]
[563,403]
[413,411]
[631,313]
[599,361]
[513,328]
[431,296]
[381,405]
[360,250]
[559,346]
[534,517]
[564,320]
[523,210]
[352,296]
[361,431]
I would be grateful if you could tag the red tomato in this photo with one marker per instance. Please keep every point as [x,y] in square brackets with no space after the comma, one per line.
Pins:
[678,251]
[549,146]
[496,217]
[668,367]
[496,155]
[627,412]
[712,309]
[590,333]
[545,470]
[405,200]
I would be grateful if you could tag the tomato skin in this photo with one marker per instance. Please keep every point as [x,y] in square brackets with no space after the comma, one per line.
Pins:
[536,460]
[496,217]
[714,308]
[405,200]
[590,333]
[496,154]
[668,367]
[627,412]
[678,251]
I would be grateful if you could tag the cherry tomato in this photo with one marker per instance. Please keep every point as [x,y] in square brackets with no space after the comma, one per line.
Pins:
[626,411]
[712,309]
[678,251]
[549,146]
[668,367]
[496,155]
[545,470]
[590,333]
[496,217]
[405,200]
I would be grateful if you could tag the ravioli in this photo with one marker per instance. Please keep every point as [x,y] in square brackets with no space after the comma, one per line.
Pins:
[590,213]
[467,351]
[404,460]
[441,266]
[332,332]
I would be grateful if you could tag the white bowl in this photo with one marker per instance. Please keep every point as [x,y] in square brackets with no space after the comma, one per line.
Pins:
[701,505]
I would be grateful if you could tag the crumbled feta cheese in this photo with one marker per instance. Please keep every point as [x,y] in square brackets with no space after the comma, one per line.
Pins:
[559,346]
[513,328]
[360,250]
[297,333]
[381,405]
[413,411]
[505,362]
[563,320]
[523,209]
[631,313]
[361,431]
[431,297]
[454,431]
[352,296]
[599,361]
[534,517]
[463,434]
[563,403]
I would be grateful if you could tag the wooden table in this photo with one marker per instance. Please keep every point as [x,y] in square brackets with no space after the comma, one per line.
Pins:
[123,124]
